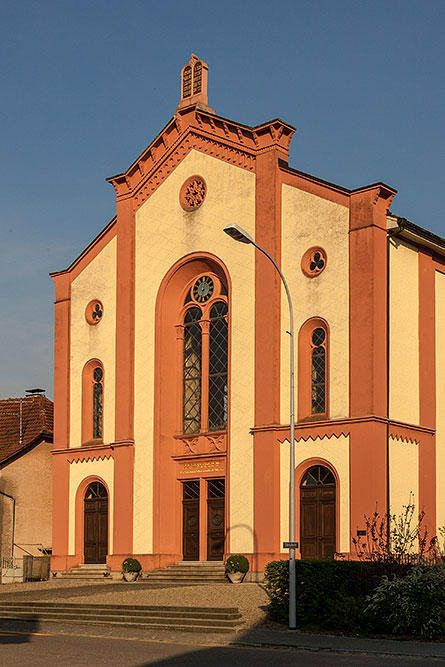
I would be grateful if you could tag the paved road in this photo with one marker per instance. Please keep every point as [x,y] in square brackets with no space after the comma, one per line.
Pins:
[28,649]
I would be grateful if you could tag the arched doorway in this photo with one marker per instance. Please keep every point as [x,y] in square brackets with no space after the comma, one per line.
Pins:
[317,513]
[96,523]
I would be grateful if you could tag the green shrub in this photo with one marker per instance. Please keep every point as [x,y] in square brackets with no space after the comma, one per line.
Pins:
[131,565]
[237,563]
[329,594]
[412,605]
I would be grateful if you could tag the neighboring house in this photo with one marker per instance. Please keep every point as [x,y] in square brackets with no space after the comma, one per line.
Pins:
[172,356]
[26,442]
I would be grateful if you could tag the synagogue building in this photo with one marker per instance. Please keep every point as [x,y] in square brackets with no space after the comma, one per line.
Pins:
[172,418]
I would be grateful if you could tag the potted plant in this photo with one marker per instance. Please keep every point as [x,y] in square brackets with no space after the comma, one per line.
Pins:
[236,568]
[131,568]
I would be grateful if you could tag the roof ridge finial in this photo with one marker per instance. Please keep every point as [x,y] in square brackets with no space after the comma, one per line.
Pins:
[194,84]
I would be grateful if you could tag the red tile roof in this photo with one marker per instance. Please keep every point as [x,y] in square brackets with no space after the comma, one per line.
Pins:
[36,423]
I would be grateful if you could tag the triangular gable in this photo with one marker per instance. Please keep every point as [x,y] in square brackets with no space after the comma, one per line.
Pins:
[194,129]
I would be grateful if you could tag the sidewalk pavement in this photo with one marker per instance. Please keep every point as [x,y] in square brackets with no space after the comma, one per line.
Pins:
[257,635]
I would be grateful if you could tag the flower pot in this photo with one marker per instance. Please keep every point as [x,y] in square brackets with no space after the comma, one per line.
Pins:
[236,577]
[130,576]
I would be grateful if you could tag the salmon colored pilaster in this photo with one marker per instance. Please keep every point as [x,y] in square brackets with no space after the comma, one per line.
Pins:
[124,406]
[427,389]
[266,539]
[427,341]
[368,472]
[60,512]
[368,301]
[123,500]
[267,290]
[267,356]
[61,360]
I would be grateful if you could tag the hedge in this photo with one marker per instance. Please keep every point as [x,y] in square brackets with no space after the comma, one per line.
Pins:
[330,594]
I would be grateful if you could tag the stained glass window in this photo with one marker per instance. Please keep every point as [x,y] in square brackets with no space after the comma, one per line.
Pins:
[218,358]
[191,415]
[318,371]
[98,391]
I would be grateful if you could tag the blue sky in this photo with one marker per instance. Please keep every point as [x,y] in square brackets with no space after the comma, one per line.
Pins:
[86,86]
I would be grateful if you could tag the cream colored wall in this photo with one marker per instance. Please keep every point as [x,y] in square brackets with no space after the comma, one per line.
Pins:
[97,281]
[164,234]
[308,221]
[440,397]
[79,470]
[403,475]
[29,480]
[403,332]
[336,452]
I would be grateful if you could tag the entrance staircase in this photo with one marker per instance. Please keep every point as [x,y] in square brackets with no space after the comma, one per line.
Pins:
[87,572]
[183,619]
[189,573]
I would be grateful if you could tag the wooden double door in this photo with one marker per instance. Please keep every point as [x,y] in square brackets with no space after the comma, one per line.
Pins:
[318,513]
[191,503]
[96,523]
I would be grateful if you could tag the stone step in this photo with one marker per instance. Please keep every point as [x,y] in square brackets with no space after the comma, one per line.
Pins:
[79,576]
[198,563]
[187,619]
[120,607]
[205,570]
[195,574]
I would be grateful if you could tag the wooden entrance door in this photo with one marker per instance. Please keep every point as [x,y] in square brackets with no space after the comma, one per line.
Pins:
[96,523]
[190,520]
[216,493]
[317,513]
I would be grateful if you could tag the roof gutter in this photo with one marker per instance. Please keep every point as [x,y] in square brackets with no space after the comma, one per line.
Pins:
[413,233]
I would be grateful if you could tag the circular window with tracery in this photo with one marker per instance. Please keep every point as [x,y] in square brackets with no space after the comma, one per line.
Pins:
[203,289]
[94,312]
[193,193]
[314,261]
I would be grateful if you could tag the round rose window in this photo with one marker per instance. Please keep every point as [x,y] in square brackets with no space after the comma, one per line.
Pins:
[314,262]
[94,312]
[193,193]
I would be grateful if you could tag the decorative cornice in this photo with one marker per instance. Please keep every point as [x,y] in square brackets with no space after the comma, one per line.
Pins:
[195,129]
[95,450]
[338,427]
[88,457]
[404,438]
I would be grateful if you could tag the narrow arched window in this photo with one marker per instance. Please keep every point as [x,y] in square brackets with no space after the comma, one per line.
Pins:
[318,371]
[187,81]
[197,78]
[218,364]
[93,376]
[313,370]
[98,394]
[192,361]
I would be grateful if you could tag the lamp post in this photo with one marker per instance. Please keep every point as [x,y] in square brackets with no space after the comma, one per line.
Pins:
[239,234]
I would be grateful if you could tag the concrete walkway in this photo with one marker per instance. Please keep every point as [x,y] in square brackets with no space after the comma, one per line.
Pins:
[258,634]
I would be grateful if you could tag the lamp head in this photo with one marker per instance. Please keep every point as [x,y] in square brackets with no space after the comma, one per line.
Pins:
[237,233]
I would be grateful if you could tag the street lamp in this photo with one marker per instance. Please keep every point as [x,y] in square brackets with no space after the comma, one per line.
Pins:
[239,234]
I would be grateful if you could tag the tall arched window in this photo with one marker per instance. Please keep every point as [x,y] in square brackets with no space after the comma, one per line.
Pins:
[318,371]
[187,81]
[92,401]
[191,414]
[98,397]
[205,356]
[218,358]
[313,370]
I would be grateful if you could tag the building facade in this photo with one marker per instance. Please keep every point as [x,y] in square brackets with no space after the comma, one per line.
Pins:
[172,356]
[26,442]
